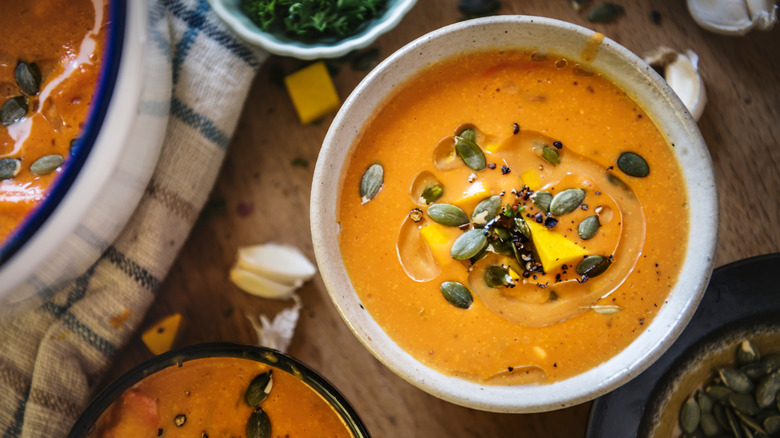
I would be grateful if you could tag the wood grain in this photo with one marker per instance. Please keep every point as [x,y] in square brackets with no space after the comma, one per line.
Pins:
[261,196]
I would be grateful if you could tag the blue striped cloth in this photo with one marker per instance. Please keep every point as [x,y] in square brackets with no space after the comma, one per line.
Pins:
[52,357]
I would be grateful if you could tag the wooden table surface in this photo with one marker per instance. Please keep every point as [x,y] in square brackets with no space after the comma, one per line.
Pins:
[263,194]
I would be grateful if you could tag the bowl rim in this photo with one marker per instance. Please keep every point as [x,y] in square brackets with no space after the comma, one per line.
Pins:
[631,361]
[84,144]
[229,12]
[268,356]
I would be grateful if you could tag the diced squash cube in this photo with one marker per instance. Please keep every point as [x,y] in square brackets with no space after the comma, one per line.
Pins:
[492,147]
[439,239]
[475,193]
[553,249]
[312,92]
[532,180]
[160,337]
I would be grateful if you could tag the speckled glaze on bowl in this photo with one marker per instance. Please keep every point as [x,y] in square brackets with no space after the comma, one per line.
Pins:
[230,12]
[625,70]
[697,368]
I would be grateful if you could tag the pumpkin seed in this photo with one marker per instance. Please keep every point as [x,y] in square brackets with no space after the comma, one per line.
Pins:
[757,370]
[617,182]
[773,360]
[736,380]
[604,12]
[604,309]
[744,403]
[747,353]
[9,168]
[749,421]
[503,247]
[372,181]
[522,227]
[551,155]
[470,153]
[690,415]
[733,423]
[432,193]
[767,389]
[469,134]
[46,164]
[719,411]
[566,201]
[496,276]
[259,425]
[633,164]
[588,227]
[705,402]
[709,425]
[719,393]
[593,266]
[457,294]
[772,425]
[468,244]
[448,215]
[486,210]
[14,110]
[28,77]
[259,388]
[542,200]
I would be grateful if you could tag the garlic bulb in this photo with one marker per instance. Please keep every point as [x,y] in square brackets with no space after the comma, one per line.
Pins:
[733,17]
[681,73]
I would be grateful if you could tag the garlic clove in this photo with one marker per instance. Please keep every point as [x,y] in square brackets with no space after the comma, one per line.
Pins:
[733,17]
[258,285]
[282,264]
[681,73]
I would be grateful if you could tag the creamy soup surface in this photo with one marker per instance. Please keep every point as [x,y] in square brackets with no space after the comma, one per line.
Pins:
[530,218]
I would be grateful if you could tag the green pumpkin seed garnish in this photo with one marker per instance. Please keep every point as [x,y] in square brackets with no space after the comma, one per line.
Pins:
[469,134]
[604,12]
[9,168]
[551,155]
[457,294]
[542,200]
[747,353]
[767,389]
[744,403]
[736,380]
[448,215]
[690,415]
[46,164]
[617,182]
[486,210]
[259,388]
[470,153]
[522,227]
[566,201]
[709,425]
[28,77]
[772,425]
[718,392]
[496,276]
[633,164]
[432,193]
[468,244]
[259,425]
[372,181]
[757,370]
[593,266]
[14,110]
[588,227]
[705,402]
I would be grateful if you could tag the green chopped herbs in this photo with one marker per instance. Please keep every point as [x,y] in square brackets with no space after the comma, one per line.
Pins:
[309,20]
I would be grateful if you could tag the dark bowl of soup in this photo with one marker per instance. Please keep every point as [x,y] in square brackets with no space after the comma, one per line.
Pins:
[78,141]
[220,389]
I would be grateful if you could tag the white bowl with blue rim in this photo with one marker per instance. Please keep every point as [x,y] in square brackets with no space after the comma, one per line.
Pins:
[110,165]
[230,12]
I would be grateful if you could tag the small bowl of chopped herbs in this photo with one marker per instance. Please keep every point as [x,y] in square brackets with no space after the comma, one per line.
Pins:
[311,29]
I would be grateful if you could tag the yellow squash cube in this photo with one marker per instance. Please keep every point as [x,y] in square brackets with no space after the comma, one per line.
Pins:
[312,92]
[475,193]
[439,239]
[553,249]
[160,337]
[532,180]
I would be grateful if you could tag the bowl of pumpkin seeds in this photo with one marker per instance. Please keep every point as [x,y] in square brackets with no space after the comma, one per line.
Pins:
[727,385]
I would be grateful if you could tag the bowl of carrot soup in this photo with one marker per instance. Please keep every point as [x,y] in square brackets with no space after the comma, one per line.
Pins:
[220,390]
[514,214]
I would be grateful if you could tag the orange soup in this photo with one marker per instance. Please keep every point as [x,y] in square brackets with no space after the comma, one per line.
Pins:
[221,397]
[49,65]
[512,218]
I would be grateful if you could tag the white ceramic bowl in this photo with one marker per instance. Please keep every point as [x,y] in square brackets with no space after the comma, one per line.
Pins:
[624,69]
[230,12]
[99,189]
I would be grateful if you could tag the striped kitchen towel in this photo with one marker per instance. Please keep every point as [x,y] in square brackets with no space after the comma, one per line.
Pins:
[52,356]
